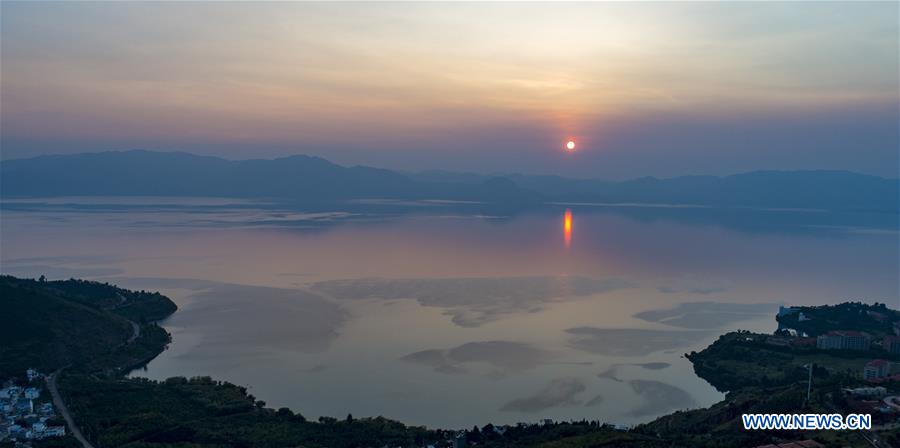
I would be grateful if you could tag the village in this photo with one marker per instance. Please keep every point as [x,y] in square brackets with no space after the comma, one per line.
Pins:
[24,414]
[876,370]
[873,398]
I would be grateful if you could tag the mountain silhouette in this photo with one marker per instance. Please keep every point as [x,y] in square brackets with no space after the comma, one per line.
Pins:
[304,178]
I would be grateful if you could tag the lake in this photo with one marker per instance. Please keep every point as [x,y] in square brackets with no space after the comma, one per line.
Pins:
[453,314]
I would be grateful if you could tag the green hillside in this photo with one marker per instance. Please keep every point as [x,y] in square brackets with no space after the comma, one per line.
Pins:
[48,325]
[139,306]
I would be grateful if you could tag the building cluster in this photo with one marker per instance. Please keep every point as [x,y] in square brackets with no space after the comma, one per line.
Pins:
[838,339]
[879,370]
[23,416]
[873,400]
[876,370]
[844,340]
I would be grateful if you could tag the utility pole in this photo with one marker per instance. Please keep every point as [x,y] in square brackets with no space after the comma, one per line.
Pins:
[809,382]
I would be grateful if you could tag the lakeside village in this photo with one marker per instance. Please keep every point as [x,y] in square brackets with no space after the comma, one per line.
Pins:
[871,399]
[854,338]
[25,415]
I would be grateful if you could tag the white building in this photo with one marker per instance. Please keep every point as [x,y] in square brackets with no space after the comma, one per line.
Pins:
[875,369]
[846,340]
[55,431]
[867,391]
[10,392]
[31,393]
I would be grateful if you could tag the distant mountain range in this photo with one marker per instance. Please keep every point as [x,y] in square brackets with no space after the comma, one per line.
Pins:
[313,179]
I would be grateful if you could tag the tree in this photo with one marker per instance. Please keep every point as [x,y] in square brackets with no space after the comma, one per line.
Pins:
[475,434]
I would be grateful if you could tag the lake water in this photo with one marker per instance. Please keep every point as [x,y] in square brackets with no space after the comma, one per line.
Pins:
[448,314]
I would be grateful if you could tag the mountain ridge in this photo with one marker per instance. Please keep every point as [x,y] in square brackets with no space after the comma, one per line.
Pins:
[307,178]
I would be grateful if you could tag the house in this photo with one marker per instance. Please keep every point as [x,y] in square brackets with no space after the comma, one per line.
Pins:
[891,344]
[55,431]
[32,374]
[460,440]
[786,310]
[843,340]
[893,402]
[16,432]
[31,393]
[829,341]
[867,392]
[25,405]
[803,342]
[877,368]
[10,392]
[854,340]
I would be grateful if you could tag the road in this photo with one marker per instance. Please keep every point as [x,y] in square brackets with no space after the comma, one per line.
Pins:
[64,411]
[61,405]
[868,436]
[135,332]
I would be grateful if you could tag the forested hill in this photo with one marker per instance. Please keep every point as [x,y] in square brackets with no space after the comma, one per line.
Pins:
[52,324]
[876,319]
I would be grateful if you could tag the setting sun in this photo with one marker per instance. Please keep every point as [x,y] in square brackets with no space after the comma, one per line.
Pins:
[314,176]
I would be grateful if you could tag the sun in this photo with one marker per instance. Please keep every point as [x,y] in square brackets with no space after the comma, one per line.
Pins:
[570,146]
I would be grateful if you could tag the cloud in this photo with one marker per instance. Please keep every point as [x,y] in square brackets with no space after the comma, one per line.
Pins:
[365,83]
[503,356]
[472,302]
[560,392]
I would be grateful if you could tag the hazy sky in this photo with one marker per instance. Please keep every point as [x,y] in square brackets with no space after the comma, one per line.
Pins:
[644,88]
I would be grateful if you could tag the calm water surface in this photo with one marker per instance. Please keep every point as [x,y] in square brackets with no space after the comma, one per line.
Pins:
[448,314]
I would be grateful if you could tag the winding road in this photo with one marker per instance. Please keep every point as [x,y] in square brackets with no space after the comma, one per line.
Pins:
[61,405]
[135,332]
[64,411]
